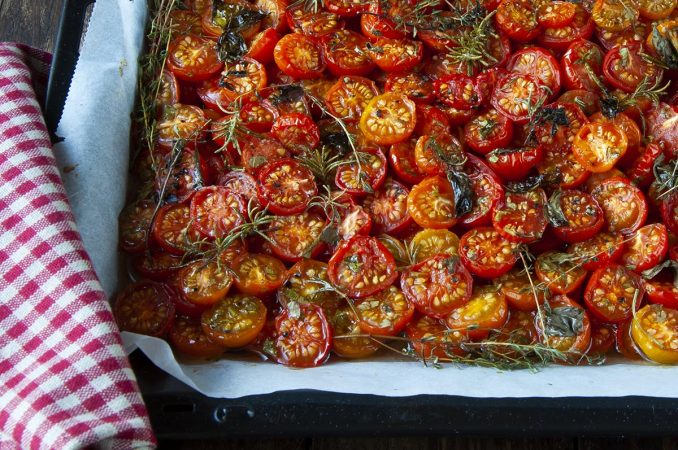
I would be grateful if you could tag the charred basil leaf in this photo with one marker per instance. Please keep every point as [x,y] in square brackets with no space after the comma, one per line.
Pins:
[667,47]
[245,18]
[563,321]
[289,93]
[554,212]
[528,184]
[463,192]
[554,115]
[231,46]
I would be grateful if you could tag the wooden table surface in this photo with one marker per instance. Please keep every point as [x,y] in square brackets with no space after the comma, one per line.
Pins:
[35,22]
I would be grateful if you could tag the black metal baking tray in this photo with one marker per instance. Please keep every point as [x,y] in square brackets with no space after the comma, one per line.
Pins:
[178,412]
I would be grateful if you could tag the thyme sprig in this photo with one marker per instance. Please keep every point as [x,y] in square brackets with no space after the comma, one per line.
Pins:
[151,66]
[254,222]
[665,176]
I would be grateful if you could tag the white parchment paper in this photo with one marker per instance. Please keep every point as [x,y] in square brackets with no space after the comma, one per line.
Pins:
[96,126]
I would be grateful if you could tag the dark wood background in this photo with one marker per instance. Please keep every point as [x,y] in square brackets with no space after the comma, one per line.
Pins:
[34,22]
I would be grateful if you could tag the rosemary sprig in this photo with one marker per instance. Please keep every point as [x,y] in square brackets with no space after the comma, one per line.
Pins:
[322,162]
[611,105]
[471,49]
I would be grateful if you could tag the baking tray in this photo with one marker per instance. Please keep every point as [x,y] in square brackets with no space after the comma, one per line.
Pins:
[179,412]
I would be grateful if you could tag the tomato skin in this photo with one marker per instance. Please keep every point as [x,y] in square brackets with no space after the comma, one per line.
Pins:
[540,64]
[556,14]
[429,243]
[669,211]
[262,46]
[414,85]
[179,62]
[511,92]
[134,225]
[178,122]
[258,274]
[587,101]
[286,187]
[559,39]
[433,195]
[346,8]
[292,237]
[488,192]
[188,338]
[584,215]
[297,132]
[346,177]
[173,229]
[514,164]
[486,310]
[349,97]
[345,53]
[486,253]
[518,291]
[370,259]
[204,283]
[640,172]
[662,293]
[388,119]
[444,277]
[457,90]
[488,132]
[653,330]
[647,248]
[598,146]
[401,159]
[624,205]
[275,10]
[156,264]
[234,321]
[384,313]
[573,63]
[293,46]
[619,282]
[431,338]
[559,278]
[576,345]
[599,250]
[517,19]
[144,307]
[345,323]
[215,211]
[388,208]
[625,69]
[355,222]
[294,334]
[520,217]
[218,15]
[602,338]
[396,55]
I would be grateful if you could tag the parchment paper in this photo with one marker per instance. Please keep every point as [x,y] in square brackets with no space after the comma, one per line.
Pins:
[96,125]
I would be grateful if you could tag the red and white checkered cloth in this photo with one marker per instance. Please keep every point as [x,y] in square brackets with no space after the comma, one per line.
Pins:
[65,381]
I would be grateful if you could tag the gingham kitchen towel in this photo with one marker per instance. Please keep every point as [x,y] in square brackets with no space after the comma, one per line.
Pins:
[65,381]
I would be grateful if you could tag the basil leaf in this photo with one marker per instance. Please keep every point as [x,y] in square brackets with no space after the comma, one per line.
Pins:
[463,192]
[231,46]
[554,212]
[563,321]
